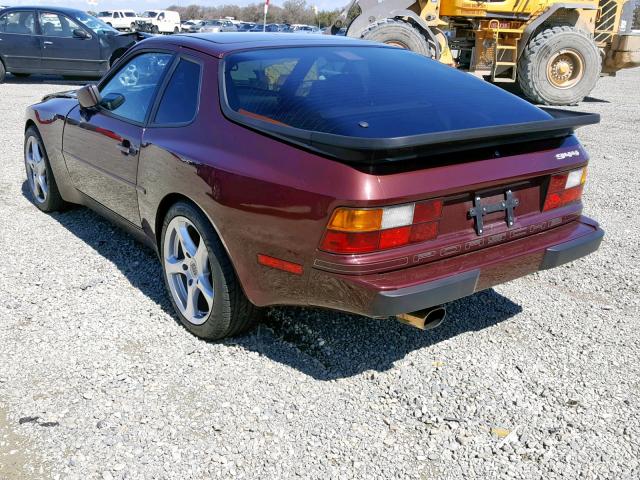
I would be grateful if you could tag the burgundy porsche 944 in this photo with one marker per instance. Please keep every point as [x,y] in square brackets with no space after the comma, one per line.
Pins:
[314,170]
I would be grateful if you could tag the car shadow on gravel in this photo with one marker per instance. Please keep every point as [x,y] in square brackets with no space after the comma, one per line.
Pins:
[323,344]
[137,262]
[328,345]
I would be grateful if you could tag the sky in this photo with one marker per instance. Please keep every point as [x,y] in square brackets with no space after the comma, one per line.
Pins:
[142,5]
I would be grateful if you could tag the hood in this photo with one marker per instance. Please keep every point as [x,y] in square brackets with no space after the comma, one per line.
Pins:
[65,94]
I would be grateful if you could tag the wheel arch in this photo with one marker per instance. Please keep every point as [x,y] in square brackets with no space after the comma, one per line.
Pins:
[161,212]
[555,15]
[165,205]
[30,123]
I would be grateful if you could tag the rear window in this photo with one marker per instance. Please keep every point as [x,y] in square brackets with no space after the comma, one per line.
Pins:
[365,92]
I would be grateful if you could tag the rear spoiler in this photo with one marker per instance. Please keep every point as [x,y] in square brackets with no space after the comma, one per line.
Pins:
[375,151]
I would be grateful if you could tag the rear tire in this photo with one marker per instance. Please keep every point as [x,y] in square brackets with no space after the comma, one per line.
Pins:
[176,30]
[559,66]
[400,34]
[219,307]
[42,184]
[132,27]
[2,72]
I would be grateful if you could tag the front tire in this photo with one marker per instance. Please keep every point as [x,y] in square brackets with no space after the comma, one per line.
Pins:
[400,34]
[155,30]
[42,184]
[559,66]
[3,72]
[199,277]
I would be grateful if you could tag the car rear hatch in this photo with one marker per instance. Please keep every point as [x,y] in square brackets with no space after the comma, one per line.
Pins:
[461,164]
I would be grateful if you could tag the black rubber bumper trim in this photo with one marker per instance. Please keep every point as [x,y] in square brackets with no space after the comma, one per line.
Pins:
[438,292]
[570,251]
[410,299]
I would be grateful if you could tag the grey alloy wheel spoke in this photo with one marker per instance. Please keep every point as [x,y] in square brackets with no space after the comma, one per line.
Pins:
[188,271]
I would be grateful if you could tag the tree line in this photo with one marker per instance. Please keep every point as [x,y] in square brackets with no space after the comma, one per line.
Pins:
[291,11]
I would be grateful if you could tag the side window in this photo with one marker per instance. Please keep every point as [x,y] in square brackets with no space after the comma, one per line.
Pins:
[18,22]
[54,25]
[179,102]
[136,82]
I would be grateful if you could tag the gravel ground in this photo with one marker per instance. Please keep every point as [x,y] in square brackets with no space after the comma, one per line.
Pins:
[538,378]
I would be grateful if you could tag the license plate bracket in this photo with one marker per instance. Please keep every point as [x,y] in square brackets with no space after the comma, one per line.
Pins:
[479,210]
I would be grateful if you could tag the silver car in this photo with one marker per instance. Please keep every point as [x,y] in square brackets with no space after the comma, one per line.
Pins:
[218,26]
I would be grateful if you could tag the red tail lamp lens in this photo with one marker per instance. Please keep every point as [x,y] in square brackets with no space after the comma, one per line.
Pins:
[394,237]
[365,230]
[558,182]
[564,188]
[427,211]
[554,200]
[345,242]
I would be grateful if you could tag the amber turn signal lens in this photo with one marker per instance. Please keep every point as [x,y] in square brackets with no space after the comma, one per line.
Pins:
[354,220]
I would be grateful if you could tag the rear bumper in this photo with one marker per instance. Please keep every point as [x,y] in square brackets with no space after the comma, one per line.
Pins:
[429,294]
[447,280]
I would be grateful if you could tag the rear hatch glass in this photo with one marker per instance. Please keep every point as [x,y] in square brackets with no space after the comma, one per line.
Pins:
[365,92]
[368,104]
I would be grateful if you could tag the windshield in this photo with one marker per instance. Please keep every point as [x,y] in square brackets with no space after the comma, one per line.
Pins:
[150,14]
[365,92]
[104,14]
[95,24]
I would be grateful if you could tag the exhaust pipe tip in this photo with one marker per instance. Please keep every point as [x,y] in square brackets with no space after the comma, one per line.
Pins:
[425,319]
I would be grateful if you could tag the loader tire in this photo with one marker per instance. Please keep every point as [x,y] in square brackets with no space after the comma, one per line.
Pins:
[559,66]
[400,34]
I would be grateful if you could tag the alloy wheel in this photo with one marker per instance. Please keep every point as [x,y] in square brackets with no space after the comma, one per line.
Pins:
[36,170]
[188,270]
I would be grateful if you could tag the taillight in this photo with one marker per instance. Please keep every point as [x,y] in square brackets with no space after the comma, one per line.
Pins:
[365,230]
[565,188]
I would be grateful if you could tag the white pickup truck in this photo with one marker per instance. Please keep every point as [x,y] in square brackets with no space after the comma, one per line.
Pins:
[120,19]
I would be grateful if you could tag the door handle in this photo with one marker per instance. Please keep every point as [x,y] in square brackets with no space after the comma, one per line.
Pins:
[127,148]
[47,43]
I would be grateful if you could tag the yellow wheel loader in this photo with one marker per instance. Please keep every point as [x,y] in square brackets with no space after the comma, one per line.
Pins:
[555,50]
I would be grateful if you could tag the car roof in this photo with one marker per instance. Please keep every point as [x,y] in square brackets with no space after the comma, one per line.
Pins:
[64,10]
[220,44]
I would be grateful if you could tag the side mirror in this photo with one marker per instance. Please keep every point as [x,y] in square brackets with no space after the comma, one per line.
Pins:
[89,96]
[111,101]
[81,34]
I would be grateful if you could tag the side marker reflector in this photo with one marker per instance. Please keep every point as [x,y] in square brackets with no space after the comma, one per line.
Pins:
[279,264]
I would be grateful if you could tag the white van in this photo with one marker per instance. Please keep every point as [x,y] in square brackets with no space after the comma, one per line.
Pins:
[120,19]
[162,21]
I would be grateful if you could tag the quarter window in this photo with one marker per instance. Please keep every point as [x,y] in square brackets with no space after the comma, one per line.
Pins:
[137,81]
[18,22]
[54,25]
[179,102]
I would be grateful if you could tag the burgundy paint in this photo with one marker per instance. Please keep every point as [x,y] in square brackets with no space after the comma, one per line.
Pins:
[266,197]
